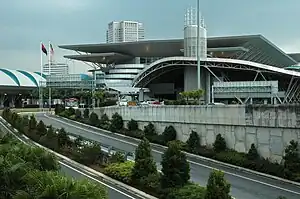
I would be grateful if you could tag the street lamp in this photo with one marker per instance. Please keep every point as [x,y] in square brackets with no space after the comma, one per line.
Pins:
[198,44]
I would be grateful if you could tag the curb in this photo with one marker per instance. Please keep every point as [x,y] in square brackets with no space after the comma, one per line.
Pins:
[205,159]
[118,184]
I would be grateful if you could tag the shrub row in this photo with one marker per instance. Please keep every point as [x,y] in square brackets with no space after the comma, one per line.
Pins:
[219,151]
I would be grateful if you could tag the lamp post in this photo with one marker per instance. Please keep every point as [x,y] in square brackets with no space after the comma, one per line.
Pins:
[198,45]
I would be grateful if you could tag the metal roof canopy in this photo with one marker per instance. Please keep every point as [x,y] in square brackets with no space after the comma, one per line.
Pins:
[172,47]
[295,56]
[100,57]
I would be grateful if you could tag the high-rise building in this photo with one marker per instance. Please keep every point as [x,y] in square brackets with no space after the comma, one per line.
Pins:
[56,69]
[124,31]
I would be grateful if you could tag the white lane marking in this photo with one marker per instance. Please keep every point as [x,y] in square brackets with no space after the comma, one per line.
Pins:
[90,177]
[196,163]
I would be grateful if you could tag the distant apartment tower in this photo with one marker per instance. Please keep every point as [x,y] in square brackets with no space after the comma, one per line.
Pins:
[56,69]
[124,31]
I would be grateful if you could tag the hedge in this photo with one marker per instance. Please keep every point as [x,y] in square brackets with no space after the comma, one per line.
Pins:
[120,171]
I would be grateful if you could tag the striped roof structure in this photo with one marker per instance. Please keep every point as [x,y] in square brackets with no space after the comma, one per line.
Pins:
[20,78]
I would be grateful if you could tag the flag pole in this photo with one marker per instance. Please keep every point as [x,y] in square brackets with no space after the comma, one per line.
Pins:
[49,74]
[41,81]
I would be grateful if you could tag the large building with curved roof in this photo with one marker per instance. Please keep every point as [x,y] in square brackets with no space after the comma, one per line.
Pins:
[19,79]
[246,59]
[17,86]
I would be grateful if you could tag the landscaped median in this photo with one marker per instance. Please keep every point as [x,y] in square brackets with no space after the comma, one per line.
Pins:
[288,169]
[172,183]
[32,172]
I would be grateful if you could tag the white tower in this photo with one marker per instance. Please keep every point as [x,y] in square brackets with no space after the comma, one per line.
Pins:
[190,35]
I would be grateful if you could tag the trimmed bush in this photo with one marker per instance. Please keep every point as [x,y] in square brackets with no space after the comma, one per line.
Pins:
[120,171]
[32,123]
[175,168]
[189,191]
[169,134]
[292,161]
[193,143]
[232,157]
[94,120]
[132,125]
[219,144]
[217,187]
[252,153]
[90,154]
[150,131]
[41,128]
[104,122]
[117,157]
[116,123]
[144,163]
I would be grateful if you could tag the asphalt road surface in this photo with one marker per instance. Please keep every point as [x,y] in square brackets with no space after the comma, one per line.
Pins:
[243,185]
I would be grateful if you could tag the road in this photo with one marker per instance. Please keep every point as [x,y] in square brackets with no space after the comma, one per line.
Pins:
[243,185]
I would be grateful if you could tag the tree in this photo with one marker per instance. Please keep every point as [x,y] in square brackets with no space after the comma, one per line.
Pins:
[63,138]
[94,120]
[144,163]
[175,168]
[132,125]
[116,123]
[41,128]
[86,113]
[90,154]
[291,159]
[219,144]
[32,122]
[193,143]
[252,153]
[169,134]
[50,140]
[104,121]
[58,109]
[149,130]
[184,95]
[117,157]
[217,187]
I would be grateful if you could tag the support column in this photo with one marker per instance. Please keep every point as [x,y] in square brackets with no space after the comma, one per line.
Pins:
[12,102]
[141,95]
[190,78]
[2,101]
[207,87]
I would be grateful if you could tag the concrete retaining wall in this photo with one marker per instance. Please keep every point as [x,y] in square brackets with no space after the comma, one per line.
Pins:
[270,128]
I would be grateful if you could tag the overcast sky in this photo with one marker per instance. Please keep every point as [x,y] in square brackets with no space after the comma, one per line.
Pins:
[24,23]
